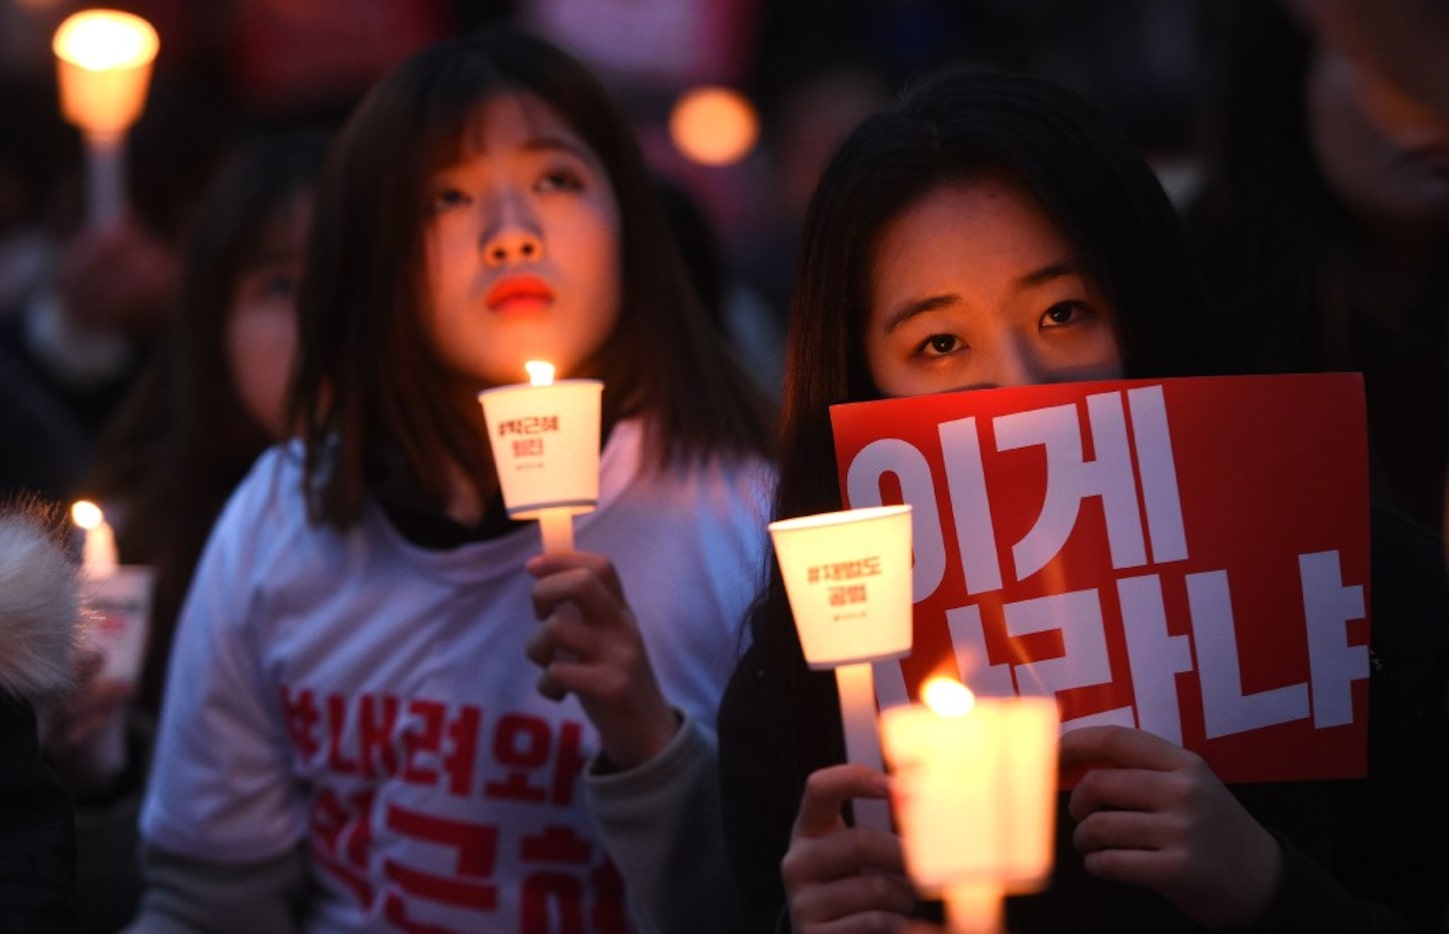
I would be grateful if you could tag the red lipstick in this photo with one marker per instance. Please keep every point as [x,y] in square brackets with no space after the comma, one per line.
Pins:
[518,293]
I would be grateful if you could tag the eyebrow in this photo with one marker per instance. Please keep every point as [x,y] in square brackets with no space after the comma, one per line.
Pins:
[534,144]
[914,307]
[557,143]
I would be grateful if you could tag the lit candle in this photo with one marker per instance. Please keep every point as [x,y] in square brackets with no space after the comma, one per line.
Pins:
[556,526]
[98,556]
[103,60]
[545,442]
[975,797]
[540,373]
[848,578]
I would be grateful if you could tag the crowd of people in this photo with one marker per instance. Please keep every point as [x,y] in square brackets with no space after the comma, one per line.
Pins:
[371,701]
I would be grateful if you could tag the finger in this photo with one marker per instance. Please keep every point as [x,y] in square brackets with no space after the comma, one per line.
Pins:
[542,566]
[1130,789]
[549,686]
[1111,830]
[842,853]
[1150,868]
[1117,745]
[871,923]
[580,586]
[566,635]
[827,790]
[861,902]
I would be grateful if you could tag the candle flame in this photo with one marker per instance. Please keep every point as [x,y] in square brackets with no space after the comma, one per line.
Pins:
[539,373]
[86,514]
[103,39]
[948,697]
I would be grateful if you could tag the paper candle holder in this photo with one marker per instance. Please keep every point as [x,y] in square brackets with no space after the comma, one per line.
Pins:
[118,619]
[545,442]
[975,793]
[848,578]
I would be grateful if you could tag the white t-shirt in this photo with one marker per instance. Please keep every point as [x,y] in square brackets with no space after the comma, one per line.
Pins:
[374,697]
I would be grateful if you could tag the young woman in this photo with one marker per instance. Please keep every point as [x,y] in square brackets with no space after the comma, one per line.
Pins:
[987,230]
[353,735]
[212,400]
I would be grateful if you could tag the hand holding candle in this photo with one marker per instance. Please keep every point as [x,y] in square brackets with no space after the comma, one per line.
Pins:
[103,60]
[545,443]
[848,577]
[975,796]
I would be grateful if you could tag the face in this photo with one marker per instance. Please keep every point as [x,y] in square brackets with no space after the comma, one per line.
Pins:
[523,247]
[1378,107]
[261,335]
[973,287]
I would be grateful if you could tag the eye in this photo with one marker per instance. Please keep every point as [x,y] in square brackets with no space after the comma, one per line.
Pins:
[449,196]
[280,285]
[560,178]
[939,345]
[1065,313]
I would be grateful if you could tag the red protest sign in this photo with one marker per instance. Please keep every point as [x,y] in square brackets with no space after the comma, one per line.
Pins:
[1186,556]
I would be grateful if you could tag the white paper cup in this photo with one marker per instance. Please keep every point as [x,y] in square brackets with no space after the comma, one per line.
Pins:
[545,442]
[118,619]
[975,794]
[848,577]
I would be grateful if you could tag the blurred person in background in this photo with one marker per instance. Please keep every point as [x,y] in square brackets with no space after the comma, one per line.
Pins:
[212,399]
[1323,226]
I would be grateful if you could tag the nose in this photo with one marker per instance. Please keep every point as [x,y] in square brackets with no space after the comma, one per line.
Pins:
[1011,361]
[511,234]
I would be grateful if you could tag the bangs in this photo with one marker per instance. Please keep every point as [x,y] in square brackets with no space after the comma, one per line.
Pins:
[449,108]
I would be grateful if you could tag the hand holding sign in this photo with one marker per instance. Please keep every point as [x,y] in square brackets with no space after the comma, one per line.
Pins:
[1150,813]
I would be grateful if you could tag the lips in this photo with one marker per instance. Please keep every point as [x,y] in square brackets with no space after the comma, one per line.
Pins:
[519,293]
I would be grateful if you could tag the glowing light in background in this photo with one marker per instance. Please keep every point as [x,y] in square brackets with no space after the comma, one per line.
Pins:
[101,39]
[714,125]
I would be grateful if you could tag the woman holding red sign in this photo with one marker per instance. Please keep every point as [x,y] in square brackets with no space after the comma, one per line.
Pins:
[991,231]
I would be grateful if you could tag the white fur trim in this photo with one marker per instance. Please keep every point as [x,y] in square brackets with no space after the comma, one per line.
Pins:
[39,607]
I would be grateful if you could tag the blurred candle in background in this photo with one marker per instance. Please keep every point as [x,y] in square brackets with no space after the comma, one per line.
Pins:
[104,60]
[98,555]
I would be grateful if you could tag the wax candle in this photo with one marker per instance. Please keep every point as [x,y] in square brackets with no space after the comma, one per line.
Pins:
[975,796]
[556,526]
[98,555]
[103,60]
[545,442]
